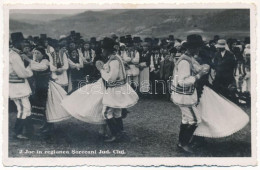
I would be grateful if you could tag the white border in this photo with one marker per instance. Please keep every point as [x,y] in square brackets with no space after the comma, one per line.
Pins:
[174,161]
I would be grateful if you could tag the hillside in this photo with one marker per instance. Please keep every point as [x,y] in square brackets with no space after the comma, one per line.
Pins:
[143,22]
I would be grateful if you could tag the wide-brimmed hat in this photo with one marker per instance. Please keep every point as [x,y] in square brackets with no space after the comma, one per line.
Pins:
[43,36]
[93,40]
[137,40]
[221,43]
[108,43]
[194,41]
[122,39]
[17,37]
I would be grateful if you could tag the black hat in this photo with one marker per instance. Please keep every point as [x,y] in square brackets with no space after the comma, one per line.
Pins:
[43,36]
[93,40]
[30,38]
[128,36]
[147,39]
[216,37]
[17,37]
[247,40]
[137,40]
[155,41]
[194,41]
[108,44]
[72,32]
[122,39]
[78,36]
[171,37]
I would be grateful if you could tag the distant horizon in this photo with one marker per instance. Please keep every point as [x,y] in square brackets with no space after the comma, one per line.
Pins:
[52,11]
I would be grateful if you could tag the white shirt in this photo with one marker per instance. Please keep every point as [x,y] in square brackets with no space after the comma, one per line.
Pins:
[223,53]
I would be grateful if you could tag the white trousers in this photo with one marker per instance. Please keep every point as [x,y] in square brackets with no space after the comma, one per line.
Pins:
[110,112]
[190,115]
[23,107]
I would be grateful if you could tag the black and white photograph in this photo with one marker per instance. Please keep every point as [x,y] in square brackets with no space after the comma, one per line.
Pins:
[129,83]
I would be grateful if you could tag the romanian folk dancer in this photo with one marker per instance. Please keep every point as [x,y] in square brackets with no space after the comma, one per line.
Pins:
[47,94]
[19,88]
[186,73]
[102,102]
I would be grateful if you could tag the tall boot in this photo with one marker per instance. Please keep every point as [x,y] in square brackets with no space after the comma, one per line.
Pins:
[183,128]
[48,128]
[29,128]
[120,125]
[19,126]
[113,129]
[185,136]
[124,113]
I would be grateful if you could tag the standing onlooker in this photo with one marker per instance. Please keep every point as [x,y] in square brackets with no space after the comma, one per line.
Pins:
[224,64]
[75,70]
[144,80]
[156,58]
[166,70]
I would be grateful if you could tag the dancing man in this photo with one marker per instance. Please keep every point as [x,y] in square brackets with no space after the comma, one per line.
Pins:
[19,88]
[118,94]
[186,73]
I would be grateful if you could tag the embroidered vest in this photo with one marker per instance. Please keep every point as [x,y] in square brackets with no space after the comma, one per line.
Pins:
[121,78]
[186,90]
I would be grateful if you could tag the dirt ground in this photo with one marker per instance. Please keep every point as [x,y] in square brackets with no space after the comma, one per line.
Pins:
[152,128]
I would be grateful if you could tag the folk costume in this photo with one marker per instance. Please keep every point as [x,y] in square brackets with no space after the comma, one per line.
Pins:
[102,101]
[75,70]
[155,73]
[186,72]
[88,57]
[144,77]
[58,65]
[48,94]
[19,91]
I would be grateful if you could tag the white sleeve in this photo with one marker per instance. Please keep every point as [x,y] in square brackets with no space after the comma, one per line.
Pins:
[42,66]
[113,73]
[184,77]
[18,67]
[136,59]
[65,62]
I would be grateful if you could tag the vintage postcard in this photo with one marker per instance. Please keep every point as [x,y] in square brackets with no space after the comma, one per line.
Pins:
[141,84]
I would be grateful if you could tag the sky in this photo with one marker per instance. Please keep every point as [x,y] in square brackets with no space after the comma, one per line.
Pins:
[49,11]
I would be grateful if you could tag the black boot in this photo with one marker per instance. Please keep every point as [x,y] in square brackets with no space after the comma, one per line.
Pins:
[120,125]
[18,129]
[48,128]
[185,136]
[124,113]
[29,128]
[183,128]
[112,125]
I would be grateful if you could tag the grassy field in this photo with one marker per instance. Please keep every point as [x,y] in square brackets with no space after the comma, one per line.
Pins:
[151,128]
